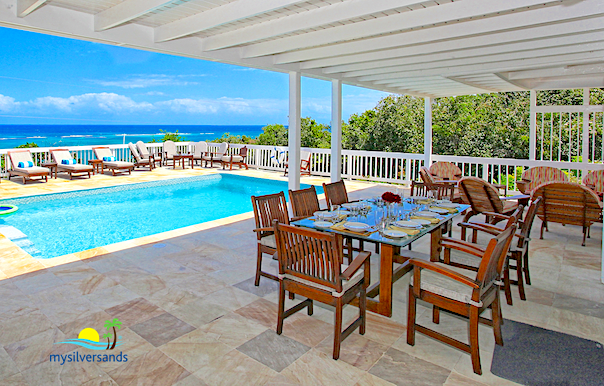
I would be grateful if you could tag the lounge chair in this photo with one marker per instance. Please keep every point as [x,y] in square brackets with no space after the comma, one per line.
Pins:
[235,159]
[216,157]
[445,171]
[169,152]
[22,164]
[145,154]
[104,154]
[304,163]
[140,161]
[200,149]
[66,163]
[539,175]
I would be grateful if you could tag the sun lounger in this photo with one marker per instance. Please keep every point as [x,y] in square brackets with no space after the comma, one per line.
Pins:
[66,163]
[145,154]
[22,164]
[104,154]
[140,161]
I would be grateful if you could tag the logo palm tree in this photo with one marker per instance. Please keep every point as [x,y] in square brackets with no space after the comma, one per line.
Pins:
[113,324]
[107,335]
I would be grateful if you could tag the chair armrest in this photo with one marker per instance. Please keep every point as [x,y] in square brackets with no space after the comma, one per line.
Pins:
[355,265]
[265,229]
[444,271]
[296,218]
[508,198]
[487,228]
[498,215]
[469,248]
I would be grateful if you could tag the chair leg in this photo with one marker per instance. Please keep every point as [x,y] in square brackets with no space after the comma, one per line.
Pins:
[542,228]
[506,284]
[584,235]
[337,340]
[258,267]
[435,315]
[496,315]
[519,274]
[527,274]
[281,310]
[411,318]
[473,337]
[363,310]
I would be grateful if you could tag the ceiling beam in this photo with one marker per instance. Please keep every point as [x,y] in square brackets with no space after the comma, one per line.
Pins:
[444,13]
[125,11]
[447,34]
[596,68]
[25,7]
[214,17]
[304,20]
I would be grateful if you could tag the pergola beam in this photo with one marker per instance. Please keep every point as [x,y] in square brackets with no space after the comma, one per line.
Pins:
[587,69]
[125,12]
[214,17]
[25,7]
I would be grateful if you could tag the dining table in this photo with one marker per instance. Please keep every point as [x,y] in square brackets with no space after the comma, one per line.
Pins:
[391,248]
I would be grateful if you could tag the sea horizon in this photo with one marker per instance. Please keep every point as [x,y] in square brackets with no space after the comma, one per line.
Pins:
[50,135]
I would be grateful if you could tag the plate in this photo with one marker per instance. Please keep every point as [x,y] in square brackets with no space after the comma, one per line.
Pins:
[351,205]
[323,224]
[438,210]
[422,221]
[425,213]
[395,234]
[408,224]
[355,226]
[448,205]
[418,198]
[325,214]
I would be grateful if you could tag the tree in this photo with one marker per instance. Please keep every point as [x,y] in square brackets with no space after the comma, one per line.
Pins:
[354,133]
[175,137]
[313,134]
[273,135]
[227,137]
[108,336]
[27,145]
[113,324]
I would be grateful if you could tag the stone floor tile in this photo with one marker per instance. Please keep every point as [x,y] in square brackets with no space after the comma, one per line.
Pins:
[95,320]
[403,369]
[37,283]
[15,380]
[356,350]
[137,280]
[199,312]
[73,271]
[171,298]
[272,350]
[7,365]
[456,379]
[261,311]
[22,324]
[111,296]
[162,329]
[234,369]
[132,345]
[93,283]
[152,368]
[36,349]
[200,285]
[265,287]
[191,380]
[371,380]
[383,330]
[316,368]
[231,298]
[134,311]
[233,329]
[195,349]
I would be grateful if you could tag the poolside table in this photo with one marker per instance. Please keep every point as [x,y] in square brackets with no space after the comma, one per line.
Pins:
[392,252]
[181,158]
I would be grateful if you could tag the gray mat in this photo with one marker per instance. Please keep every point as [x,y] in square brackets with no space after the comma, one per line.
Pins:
[535,356]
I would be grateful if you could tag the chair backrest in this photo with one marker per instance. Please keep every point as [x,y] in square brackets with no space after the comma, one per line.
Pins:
[527,224]
[427,178]
[305,156]
[277,157]
[482,196]
[310,255]
[335,193]
[267,209]
[22,155]
[58,155]
[493,261]
[243,152]
[595,179]
[446,170]
[102,151]
[304,202]
[170,148]
[222,149]
[134,152]
[200,148]
[568,203]
[539,175]
[142,149]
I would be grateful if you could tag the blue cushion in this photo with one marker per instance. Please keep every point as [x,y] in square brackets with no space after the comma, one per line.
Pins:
[109,159]
[27,164]
[68,162]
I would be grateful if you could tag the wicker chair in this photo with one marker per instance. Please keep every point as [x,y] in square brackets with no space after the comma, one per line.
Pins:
[304,202]
[445,171]
[539,175]
[317,273]
[461,294]
[568,203]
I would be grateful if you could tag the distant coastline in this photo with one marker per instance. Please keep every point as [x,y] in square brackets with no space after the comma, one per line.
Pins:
[12,136]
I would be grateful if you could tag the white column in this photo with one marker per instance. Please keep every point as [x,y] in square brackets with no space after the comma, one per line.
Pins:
[585,146]
[294,131]
[427,132]
[336,130]
[533,126]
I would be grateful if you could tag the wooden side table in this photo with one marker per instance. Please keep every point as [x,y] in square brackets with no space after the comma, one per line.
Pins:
[97,166]
[52,166]
[181,158]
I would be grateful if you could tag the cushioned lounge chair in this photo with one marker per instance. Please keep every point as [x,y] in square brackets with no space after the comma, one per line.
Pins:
[140,161]
[20,161]
[200,149]
[539,175]
[235,159]
[104,154]
[216,157]
[169,152]
[145,154]
[66,163]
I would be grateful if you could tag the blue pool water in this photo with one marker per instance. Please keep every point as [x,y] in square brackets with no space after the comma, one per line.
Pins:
[57,224]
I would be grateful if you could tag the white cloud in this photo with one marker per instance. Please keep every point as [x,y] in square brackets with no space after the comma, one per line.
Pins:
[7,103]
[108,102]
[230,105]
[144,81]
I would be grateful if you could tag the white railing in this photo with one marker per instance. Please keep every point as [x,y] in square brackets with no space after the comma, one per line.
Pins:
[356,164]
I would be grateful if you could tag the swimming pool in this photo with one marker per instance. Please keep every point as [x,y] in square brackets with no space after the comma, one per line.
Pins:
[57,224]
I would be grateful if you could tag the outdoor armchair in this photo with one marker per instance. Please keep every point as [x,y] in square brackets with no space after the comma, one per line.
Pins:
[169,153]
[22,164]
[66,163]
[304,163]
[304,202]
[199,150]
[139,161]
[440,189]
[216,157]
[445,171]
[235,159]
[595,181]
[484,199]
[539,175]
[143,151]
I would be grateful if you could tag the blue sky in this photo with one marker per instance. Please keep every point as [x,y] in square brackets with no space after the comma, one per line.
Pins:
[51,80]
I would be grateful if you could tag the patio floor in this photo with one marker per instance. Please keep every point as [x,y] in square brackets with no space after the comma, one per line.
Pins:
[192,316]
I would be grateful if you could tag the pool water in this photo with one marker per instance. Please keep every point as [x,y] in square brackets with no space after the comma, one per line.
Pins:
[57,224]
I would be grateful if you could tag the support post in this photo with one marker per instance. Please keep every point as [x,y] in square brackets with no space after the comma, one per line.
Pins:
[294,131]
[585,145]
[427,132]
[336,130]
[533,126]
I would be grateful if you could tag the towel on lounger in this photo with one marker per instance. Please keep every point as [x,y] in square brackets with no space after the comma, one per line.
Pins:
[26,164]
[68,162]
[109,159]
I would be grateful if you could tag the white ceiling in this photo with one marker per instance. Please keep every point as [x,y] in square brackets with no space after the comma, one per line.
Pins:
[427,48]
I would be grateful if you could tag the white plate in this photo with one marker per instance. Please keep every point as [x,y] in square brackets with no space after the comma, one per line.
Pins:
[425,213]
[325,214]
[422,221]
[418,198]
[323,224]
[355,226]
[351,205]
[448,205]
[438,210]
[408,224]
[395,234]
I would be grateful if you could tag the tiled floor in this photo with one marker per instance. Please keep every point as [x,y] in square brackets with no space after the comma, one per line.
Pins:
[192,316]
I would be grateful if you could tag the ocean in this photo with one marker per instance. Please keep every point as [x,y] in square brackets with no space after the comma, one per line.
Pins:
[12,136]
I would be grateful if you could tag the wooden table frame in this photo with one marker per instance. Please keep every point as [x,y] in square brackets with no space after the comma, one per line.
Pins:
[181,158]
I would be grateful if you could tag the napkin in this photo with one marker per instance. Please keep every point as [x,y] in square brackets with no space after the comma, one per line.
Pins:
[411,232]
[340,227]
[450,210]
[433,220]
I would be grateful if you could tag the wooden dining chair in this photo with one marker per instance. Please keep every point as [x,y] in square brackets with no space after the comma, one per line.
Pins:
[484,199]
[267,209]
[462,294]
[310,264]
[440,189]
[304,202]
[518,253]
